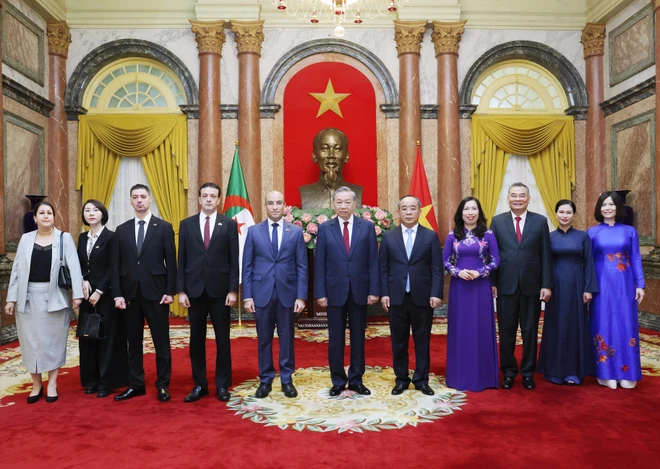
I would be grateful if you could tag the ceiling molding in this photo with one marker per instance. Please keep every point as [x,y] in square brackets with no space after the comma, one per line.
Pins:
[524,20]
[50,10]
[603,10]
[113,19]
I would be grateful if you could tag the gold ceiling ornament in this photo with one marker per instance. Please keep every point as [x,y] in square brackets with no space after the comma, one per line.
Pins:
[446,36]
[249,35]
[593,39]
[59,38]
[210,36]
[336,12]
[408,36]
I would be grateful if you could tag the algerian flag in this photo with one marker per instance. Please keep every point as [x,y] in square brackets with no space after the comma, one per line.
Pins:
[237,206]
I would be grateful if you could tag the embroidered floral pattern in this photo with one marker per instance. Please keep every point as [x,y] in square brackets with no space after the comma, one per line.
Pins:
[603,350]
[624,368]
[632,342]
[621,258]
[484,254]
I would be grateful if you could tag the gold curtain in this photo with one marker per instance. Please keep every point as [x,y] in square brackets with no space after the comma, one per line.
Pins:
[548,142]
[161,143]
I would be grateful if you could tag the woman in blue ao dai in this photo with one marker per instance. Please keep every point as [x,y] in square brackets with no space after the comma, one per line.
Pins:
[470,255]
[613,321]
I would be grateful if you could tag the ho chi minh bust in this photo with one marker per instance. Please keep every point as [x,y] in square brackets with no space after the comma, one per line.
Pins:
[331,154]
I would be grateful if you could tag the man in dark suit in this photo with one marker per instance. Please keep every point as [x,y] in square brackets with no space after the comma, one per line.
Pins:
[346,281]
[143,284]
[274,287]
[411,274]
[207,284]
[523,280]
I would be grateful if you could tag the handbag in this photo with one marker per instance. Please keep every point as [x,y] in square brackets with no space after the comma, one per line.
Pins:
[63,276]
[90,326]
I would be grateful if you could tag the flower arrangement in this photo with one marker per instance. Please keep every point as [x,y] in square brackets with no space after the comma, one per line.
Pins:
[310,220]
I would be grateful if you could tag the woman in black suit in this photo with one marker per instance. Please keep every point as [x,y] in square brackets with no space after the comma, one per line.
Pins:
[103,362]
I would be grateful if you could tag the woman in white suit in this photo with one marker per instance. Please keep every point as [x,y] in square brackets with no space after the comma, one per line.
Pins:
[43,307]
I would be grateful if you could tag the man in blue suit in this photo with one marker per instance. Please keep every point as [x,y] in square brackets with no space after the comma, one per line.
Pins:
[274,287]
[411,284]
[346,281]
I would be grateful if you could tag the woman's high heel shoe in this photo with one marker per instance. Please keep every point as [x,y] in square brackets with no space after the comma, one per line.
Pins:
[51,399]
[36,397]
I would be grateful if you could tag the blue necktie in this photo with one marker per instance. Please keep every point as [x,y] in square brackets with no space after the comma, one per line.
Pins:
[274,238]
[409,246]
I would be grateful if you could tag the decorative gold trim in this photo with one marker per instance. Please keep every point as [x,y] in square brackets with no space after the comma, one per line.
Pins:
[446,36]
[593,39]
[656,5]
[210,36]
[59,38]
[249,35]
[408,36]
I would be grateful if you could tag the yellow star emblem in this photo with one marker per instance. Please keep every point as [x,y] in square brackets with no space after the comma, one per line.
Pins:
[422,218]
[330,100]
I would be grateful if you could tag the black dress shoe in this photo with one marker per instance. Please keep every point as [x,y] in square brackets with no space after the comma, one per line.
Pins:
[51,399]
[289,390]
[263,390]
[91,390]
[529,383]
[360,389]
[399,388]
[196,394]
[425,388]
[163,395]
[223,394]
[335,391]
[36,397]
[130,393]
[103,393]
[507,382]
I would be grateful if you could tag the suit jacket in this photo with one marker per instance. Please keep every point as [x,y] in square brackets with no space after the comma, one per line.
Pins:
[154,269]
[528,264]
[263,270]
[215,269]
[96,268]
[58,298]
[424,267]
[336,270]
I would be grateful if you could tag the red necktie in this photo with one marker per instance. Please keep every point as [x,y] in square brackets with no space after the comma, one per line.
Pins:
[207,234]
[518,232]
[347,242]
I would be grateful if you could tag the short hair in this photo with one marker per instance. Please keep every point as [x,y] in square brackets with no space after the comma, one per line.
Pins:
[98,205]
[565,202]
[344,189]
[46,203]
[342,135]
[620,210]
[139,186]
[419,203]
[212,185]
[518,184]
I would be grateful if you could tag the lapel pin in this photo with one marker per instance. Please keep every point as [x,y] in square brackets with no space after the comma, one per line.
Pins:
[97,247]
[220,223]
[287,230]
[155,224]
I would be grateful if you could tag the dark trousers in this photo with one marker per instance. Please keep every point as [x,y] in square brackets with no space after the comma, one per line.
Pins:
[357,324]
[275,313]
[512,309]
[199,309]
[402,319]
[157,316]
[104,362]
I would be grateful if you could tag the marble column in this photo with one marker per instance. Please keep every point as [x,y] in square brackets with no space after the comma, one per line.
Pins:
[593,40]
[408,36]
[249,36]
[57,190]
[446,39]
[210,36]
[656,6]
[2,161]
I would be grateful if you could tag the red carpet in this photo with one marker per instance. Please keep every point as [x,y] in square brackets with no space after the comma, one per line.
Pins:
[553,426]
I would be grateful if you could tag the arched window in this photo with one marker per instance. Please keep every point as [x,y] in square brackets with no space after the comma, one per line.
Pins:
[518,86]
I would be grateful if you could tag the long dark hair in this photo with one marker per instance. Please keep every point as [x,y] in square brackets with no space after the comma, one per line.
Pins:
[459,224]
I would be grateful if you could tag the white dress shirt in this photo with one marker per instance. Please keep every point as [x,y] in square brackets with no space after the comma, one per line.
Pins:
[413,234]
[522,221]
[146,219]
[279,231]
[92,239]
[350,228]
[202,223]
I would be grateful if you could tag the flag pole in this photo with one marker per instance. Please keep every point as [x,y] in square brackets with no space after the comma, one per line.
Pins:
[240,324]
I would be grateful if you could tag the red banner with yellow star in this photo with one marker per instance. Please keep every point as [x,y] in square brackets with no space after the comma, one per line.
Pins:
[322,95]
[419,187]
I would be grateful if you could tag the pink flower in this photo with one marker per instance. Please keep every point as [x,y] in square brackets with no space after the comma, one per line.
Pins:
[380,214]
[307,237]
[378,230]
[367,215]
[306,217]
[298,223]
[321,219]
[288,217]
[315,241]
[386,222]
[313,228]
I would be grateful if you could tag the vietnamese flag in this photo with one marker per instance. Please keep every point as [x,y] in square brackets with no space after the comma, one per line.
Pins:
[419,187]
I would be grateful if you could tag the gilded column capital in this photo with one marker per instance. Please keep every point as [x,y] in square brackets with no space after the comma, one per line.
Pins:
[210,36]
[59,38]
[408,36]
[249,35]
[593,39]
[656,5]
[446,36]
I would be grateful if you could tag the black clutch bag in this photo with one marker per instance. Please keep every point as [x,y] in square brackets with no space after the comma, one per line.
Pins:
[90,326]
[63,276]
